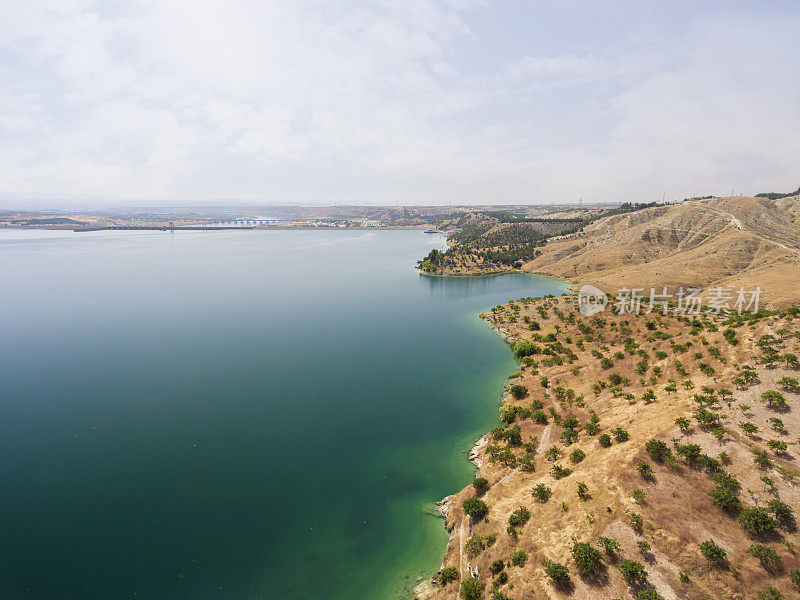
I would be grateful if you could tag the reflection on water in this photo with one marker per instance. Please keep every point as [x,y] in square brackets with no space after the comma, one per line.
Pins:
[457,288]
[231,415]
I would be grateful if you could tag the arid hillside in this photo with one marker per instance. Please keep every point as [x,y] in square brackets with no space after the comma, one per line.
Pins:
[636,457]
[717,242]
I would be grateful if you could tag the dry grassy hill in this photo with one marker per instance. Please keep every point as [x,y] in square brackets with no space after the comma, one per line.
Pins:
[728,242]
[650,413]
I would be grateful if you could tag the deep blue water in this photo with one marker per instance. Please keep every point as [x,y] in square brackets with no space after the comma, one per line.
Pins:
[235,414]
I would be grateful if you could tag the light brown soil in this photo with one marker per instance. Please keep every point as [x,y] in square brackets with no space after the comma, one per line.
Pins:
[727,242]
[677,513]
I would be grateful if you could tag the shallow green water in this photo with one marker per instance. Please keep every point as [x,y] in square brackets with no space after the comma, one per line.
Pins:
[235,415]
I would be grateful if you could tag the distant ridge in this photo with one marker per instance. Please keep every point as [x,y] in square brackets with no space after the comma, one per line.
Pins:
[729,242]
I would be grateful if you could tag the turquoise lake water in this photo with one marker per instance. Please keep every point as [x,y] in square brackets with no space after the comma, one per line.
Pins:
[236,414]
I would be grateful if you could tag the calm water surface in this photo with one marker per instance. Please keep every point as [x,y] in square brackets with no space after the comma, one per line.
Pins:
[235,415]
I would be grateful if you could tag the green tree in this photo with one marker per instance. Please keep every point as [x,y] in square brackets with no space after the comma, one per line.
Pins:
[774,399]
[761,458]
[518,391]
[475,508]
[587,558]
[756,520]
[480,483]
[778,445]
[748,427]
[726,493]
[789,384]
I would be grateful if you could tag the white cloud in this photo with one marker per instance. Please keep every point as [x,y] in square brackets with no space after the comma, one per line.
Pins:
[169,100]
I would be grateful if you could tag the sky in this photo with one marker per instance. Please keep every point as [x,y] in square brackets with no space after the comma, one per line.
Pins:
[178,102]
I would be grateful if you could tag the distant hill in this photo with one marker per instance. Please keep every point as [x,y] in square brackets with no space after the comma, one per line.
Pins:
[729,242]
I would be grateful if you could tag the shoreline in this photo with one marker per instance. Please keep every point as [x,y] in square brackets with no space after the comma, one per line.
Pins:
[427,589]
[208,228]
[571,282]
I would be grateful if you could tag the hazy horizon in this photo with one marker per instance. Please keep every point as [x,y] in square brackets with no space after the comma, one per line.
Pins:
[425,102]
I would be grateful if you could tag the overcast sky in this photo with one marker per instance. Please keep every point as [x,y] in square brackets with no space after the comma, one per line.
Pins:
[405,101]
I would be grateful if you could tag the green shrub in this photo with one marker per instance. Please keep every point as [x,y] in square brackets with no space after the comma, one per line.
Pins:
[474,546]
[559,472]
[620,434]
[496,567]
[635,520]
[794,575]
[519,517]
[610,546]
[519,558]
[632,571]
[657,450]
[714,553]
[770,594]
[583,491]
[541,492]
[644,469]
[447,575]
[557,572]
[783,513]
[472,589]
[648,594]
